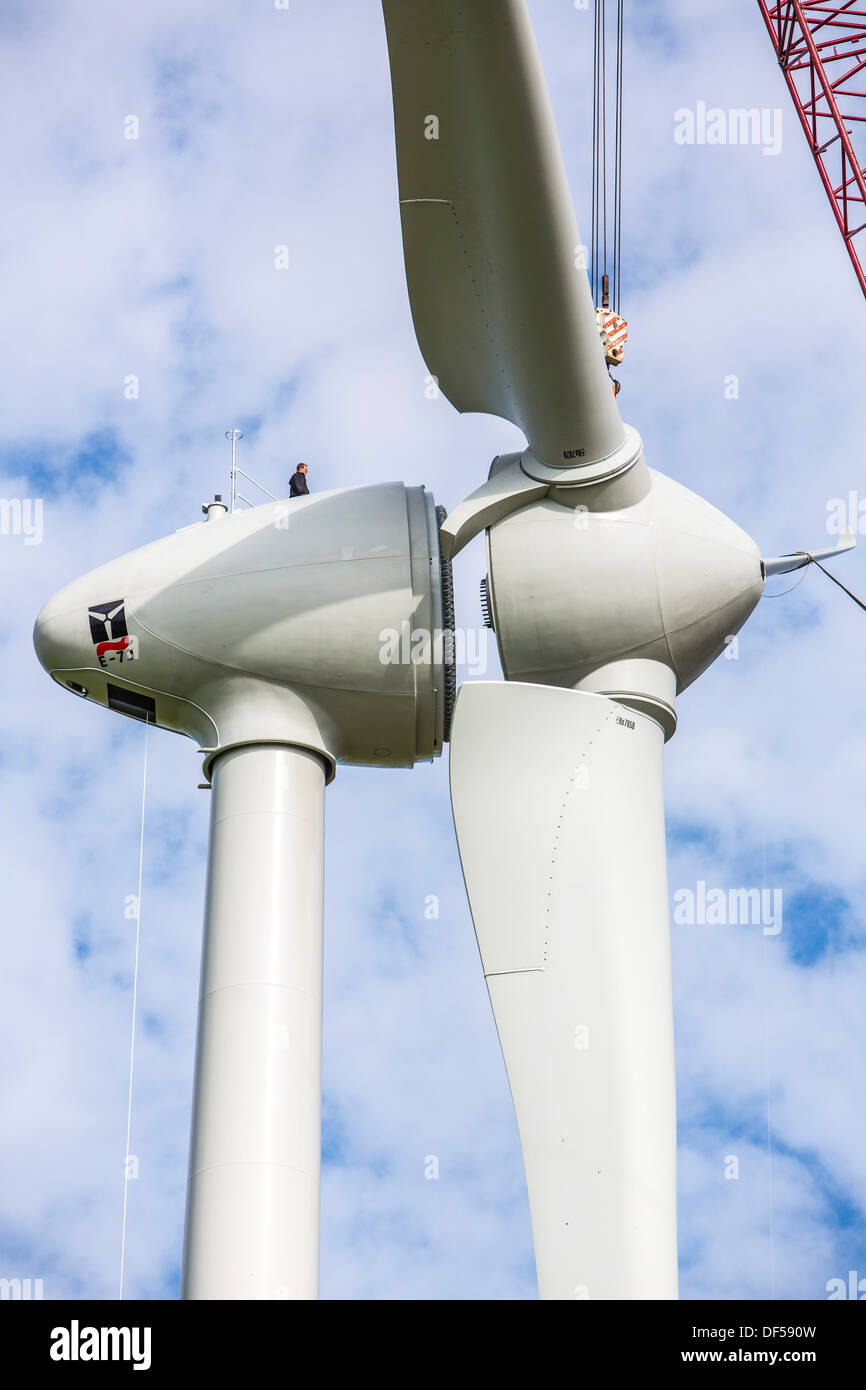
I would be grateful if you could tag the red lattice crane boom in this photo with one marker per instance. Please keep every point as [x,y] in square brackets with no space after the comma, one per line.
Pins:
[821,49]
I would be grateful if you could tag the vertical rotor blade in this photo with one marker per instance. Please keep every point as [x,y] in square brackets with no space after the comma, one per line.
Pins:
[558,807]
[496,272]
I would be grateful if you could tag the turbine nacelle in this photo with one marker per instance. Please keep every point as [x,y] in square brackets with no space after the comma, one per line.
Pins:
[273,625]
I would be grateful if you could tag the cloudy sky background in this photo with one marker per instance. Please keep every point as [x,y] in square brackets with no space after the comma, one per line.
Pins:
[155,258]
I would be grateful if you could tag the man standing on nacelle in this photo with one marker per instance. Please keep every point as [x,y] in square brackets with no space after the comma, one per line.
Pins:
[298,482]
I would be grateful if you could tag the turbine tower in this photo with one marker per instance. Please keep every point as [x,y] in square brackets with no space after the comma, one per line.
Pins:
[259,634]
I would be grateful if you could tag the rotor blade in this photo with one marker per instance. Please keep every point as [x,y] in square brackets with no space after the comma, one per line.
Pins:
[557,799]
[784,564]
[496,272]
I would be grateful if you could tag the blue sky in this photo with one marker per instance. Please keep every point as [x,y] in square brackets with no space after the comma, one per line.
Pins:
[154,258]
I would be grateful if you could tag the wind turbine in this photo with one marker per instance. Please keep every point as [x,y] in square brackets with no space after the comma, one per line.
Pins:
[611,588]
[260,634]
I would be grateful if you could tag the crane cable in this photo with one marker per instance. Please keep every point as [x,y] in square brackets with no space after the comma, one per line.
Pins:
[838,582]
[607,127]
[810,560]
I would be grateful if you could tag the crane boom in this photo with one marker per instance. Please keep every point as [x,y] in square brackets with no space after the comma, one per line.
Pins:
[821,48]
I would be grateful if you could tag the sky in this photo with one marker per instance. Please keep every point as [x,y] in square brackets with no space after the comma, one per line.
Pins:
[144,317]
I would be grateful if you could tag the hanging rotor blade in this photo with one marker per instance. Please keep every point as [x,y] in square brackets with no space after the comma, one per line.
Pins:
[784,564]
[558,806]
[496,273]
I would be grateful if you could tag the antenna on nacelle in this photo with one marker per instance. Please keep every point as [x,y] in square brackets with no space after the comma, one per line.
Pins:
[234,435]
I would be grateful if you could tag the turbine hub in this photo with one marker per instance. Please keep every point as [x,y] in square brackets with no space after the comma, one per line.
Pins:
[633,603]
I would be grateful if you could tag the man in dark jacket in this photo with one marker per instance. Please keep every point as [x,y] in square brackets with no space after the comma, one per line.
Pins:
[298,482]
